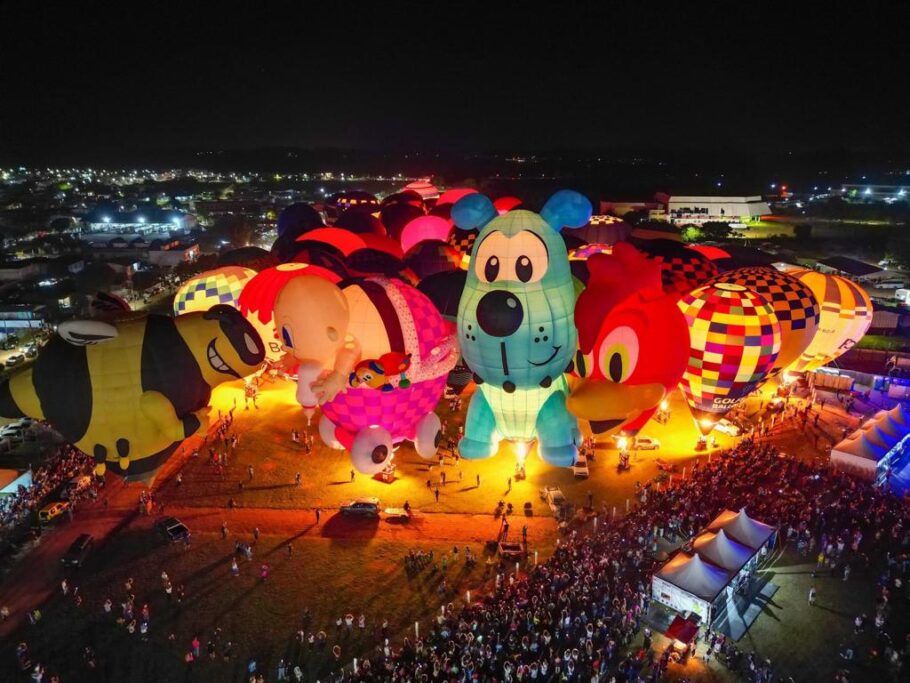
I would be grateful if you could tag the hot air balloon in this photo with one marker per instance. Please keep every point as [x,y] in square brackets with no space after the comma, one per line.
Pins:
[424,228]
[257,300]
[734,340]
[129,392]
[605,230]
[213,287]
[793,302]
[682,269]
[515,326]
[846,313]
[633,343]
[375,356]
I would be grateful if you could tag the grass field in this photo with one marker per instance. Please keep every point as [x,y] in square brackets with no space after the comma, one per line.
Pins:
[259,617]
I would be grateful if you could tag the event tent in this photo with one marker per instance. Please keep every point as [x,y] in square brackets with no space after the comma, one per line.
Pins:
[742,528]
[717,548]
[694,575]
[862,451]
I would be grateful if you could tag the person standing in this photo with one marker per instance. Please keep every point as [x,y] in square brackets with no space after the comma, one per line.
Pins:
[352,476]
[436,493]
[255,533]
[510,485]
[297,479]
[318,513]
[249,470]
[478,481]
[813,593]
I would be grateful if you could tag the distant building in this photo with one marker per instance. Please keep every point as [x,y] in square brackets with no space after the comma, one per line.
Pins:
[876,193]
[141,221]
[25,269]
[853,269]
[698,210]
[166,251]
[693,210]
[21,316]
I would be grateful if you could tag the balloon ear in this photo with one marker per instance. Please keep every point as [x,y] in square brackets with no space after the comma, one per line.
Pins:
[473,211]
[567,209]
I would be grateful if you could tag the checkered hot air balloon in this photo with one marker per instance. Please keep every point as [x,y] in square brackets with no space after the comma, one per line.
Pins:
[734,340]
[793,302]
[681,269]
[846,313]
[213,287]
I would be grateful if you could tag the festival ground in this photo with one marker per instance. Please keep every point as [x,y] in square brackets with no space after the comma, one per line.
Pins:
[356,566]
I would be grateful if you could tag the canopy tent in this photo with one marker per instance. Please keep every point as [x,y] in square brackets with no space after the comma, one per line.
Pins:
[694,576]
[742,528]
[717,548]
[864,449]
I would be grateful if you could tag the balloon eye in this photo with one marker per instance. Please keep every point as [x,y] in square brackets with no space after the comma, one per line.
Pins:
[286,336]
[615,366]
[619,354]
[524,269]
[491,268]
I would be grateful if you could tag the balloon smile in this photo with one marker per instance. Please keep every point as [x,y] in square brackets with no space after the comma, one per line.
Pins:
[548,360]
[217,362]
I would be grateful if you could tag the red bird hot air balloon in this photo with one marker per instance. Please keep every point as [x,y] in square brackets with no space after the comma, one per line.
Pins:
[633,342]
[734,340]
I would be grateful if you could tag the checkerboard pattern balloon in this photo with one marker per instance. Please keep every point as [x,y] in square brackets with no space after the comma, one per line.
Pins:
[220,286]
[735,338]
[795,305]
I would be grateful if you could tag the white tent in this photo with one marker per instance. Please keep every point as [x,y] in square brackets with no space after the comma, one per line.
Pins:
[688,584]
[695,576]
[862,451]
[742,528]
[717,548]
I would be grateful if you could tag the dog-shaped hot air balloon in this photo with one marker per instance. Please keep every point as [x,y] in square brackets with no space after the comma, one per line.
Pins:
[515,326]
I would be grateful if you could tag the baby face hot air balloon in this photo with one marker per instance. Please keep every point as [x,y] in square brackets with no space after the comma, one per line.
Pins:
[213,287]
[515,325]
[734,339]
[793,302]
[846,313]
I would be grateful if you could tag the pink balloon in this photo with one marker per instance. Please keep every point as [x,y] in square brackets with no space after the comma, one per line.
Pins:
[424,228]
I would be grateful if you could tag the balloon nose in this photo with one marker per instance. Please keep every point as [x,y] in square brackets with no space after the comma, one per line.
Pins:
[499,313]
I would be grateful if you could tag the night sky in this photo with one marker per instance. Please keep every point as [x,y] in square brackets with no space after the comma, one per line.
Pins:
[128,77]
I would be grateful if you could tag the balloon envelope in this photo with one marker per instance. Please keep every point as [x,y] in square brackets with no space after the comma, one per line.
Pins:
[734,339]
[213,287]
[793,302]
[846,313]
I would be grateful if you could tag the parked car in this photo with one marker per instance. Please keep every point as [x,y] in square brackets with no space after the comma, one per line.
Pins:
[172,529]
[397,514]
[363,507]
[14,360]
[725,426]
[552,496]
[52,511]
[580,468]
[78,551]
[646,443]
[31,352]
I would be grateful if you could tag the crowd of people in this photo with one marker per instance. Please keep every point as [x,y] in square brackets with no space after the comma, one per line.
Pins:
[66,463]
[578,616]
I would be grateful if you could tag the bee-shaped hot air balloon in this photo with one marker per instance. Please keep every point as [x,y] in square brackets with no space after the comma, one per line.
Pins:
[793,302]
[129,392]
[734,339]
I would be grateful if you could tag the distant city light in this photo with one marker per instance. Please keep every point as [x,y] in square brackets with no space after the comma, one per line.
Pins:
[142,219]
[106,219]
[868,189]
[773,185]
